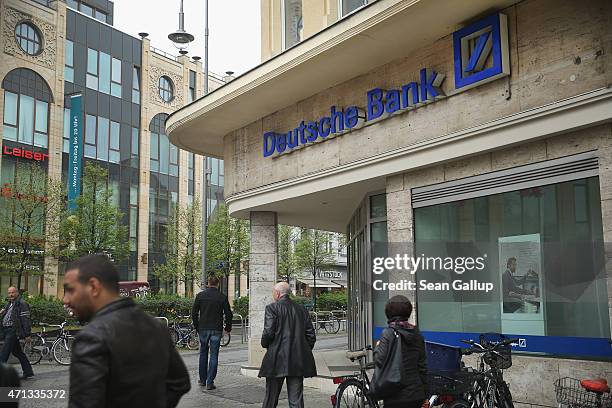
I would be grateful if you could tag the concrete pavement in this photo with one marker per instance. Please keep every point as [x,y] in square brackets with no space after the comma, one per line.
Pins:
[234,390]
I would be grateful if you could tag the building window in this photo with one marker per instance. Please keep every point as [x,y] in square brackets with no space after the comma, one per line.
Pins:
[29,38]
[85,9]
[166,89]
[26,120]
[102,139]
[348,6]
[192,86]
[72,4]
[293,27]
[92,69]
[134,146]
[100,16]
[136,85]
[164,155]
[116,78]
[69,64]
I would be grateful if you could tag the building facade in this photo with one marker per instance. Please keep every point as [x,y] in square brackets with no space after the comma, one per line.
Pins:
[52,49]
[475,133]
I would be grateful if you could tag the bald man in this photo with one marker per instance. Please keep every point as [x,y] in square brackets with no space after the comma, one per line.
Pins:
[15,317]
[289,337]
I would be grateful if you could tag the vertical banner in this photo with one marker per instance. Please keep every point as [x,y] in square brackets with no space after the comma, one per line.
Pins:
[75,155]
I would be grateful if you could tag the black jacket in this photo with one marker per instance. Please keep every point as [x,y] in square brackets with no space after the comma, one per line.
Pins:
[125,358]
[209,309]
[415,361]
[21,317]
[289,337]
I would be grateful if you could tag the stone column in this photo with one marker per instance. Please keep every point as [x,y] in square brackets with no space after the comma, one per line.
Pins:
[262,276]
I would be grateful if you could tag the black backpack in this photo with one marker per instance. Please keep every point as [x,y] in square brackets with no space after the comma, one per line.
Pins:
[390,378]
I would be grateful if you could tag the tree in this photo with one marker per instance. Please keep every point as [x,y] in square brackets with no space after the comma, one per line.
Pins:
[287,267]
[25,207]
[227,243]
[312,253]
[94,226]
[183,259]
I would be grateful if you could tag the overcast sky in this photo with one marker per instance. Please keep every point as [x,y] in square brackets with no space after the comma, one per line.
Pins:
[234,28]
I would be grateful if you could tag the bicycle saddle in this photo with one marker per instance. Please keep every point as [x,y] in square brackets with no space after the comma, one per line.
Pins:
[598,385]
[354,355]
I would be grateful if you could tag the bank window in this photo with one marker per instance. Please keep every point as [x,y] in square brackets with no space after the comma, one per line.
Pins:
[192,86]
[26,119]
[102,139]
[293,26]
[544,257]
[116,78]
[105,72]
[69,64]
[136,85]
[349,6]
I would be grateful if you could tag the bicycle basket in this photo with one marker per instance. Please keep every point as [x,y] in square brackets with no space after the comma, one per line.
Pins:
[493,360]
[442,356]
[570,392]
[450,382]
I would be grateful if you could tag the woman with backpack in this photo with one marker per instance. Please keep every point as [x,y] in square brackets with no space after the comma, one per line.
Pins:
[413,370]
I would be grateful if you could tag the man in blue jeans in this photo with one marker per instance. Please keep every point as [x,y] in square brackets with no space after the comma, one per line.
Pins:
[209,312]
[15,317]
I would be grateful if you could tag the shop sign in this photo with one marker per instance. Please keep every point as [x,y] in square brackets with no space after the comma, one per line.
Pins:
[25,153]
[480,55]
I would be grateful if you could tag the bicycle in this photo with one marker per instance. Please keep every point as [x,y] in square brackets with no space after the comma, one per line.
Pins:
[354,390]
[573,393]
[184,335]
[60,349]
[331,324]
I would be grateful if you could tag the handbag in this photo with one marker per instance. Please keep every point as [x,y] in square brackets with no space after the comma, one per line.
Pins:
[390,377]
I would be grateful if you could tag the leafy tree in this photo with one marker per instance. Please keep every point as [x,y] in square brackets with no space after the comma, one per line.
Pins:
[227,243]
[312,253]
[94,226]
[287,267]
[183,258]
[25,206]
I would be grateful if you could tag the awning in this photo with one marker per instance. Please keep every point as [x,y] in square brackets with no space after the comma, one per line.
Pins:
[321,283]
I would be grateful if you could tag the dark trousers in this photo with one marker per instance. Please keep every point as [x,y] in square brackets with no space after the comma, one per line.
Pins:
[12,345]
[295,391]
[209,340]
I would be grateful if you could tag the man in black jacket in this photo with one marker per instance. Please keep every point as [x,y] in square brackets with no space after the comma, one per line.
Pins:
[289,337]
[209,309]
[123,357]
[16,325]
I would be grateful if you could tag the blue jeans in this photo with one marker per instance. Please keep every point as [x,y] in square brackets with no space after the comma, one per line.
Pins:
[11,345]
[208,369]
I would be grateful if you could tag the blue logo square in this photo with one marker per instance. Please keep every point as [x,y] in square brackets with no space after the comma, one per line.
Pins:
[473,46]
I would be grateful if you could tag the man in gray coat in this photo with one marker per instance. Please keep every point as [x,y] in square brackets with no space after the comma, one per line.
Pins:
[289,337]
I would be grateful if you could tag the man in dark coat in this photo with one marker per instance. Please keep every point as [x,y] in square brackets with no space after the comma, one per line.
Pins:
[289,337]
[123,357]
[15,317]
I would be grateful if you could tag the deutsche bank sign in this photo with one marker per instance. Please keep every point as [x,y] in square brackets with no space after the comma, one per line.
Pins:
[480,53]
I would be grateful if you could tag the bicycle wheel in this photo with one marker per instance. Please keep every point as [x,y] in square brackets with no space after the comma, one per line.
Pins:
[33,350]
[351,394]
[504,396]
[332,326]
[193,341]
[225,340]
[62,350]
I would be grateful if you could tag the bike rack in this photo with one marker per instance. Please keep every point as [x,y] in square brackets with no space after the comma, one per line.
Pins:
[243,335]
[165,319]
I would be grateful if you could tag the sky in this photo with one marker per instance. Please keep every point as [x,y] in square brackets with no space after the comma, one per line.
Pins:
[234,28]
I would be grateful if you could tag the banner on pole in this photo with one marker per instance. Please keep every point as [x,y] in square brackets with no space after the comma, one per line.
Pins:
[75,155]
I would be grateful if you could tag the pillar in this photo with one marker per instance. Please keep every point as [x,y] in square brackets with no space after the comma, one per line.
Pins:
[262,276]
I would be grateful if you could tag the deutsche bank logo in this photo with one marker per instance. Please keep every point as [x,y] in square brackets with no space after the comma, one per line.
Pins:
[481,52]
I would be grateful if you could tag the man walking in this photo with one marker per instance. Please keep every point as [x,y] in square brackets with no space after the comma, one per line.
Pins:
[209,310]
[16,325]
[289,337]
[123,357]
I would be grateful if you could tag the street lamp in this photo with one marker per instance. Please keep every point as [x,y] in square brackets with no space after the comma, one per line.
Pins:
[181,38]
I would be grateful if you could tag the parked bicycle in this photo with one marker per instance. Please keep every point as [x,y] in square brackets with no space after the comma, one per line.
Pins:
[326,321]
[573,393]
[183,334]
[40,346]
[354,390]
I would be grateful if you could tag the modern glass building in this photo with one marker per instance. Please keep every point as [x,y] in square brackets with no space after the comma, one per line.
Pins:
[52,49]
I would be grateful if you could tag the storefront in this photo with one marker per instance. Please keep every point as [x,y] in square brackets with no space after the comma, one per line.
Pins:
[484,138]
